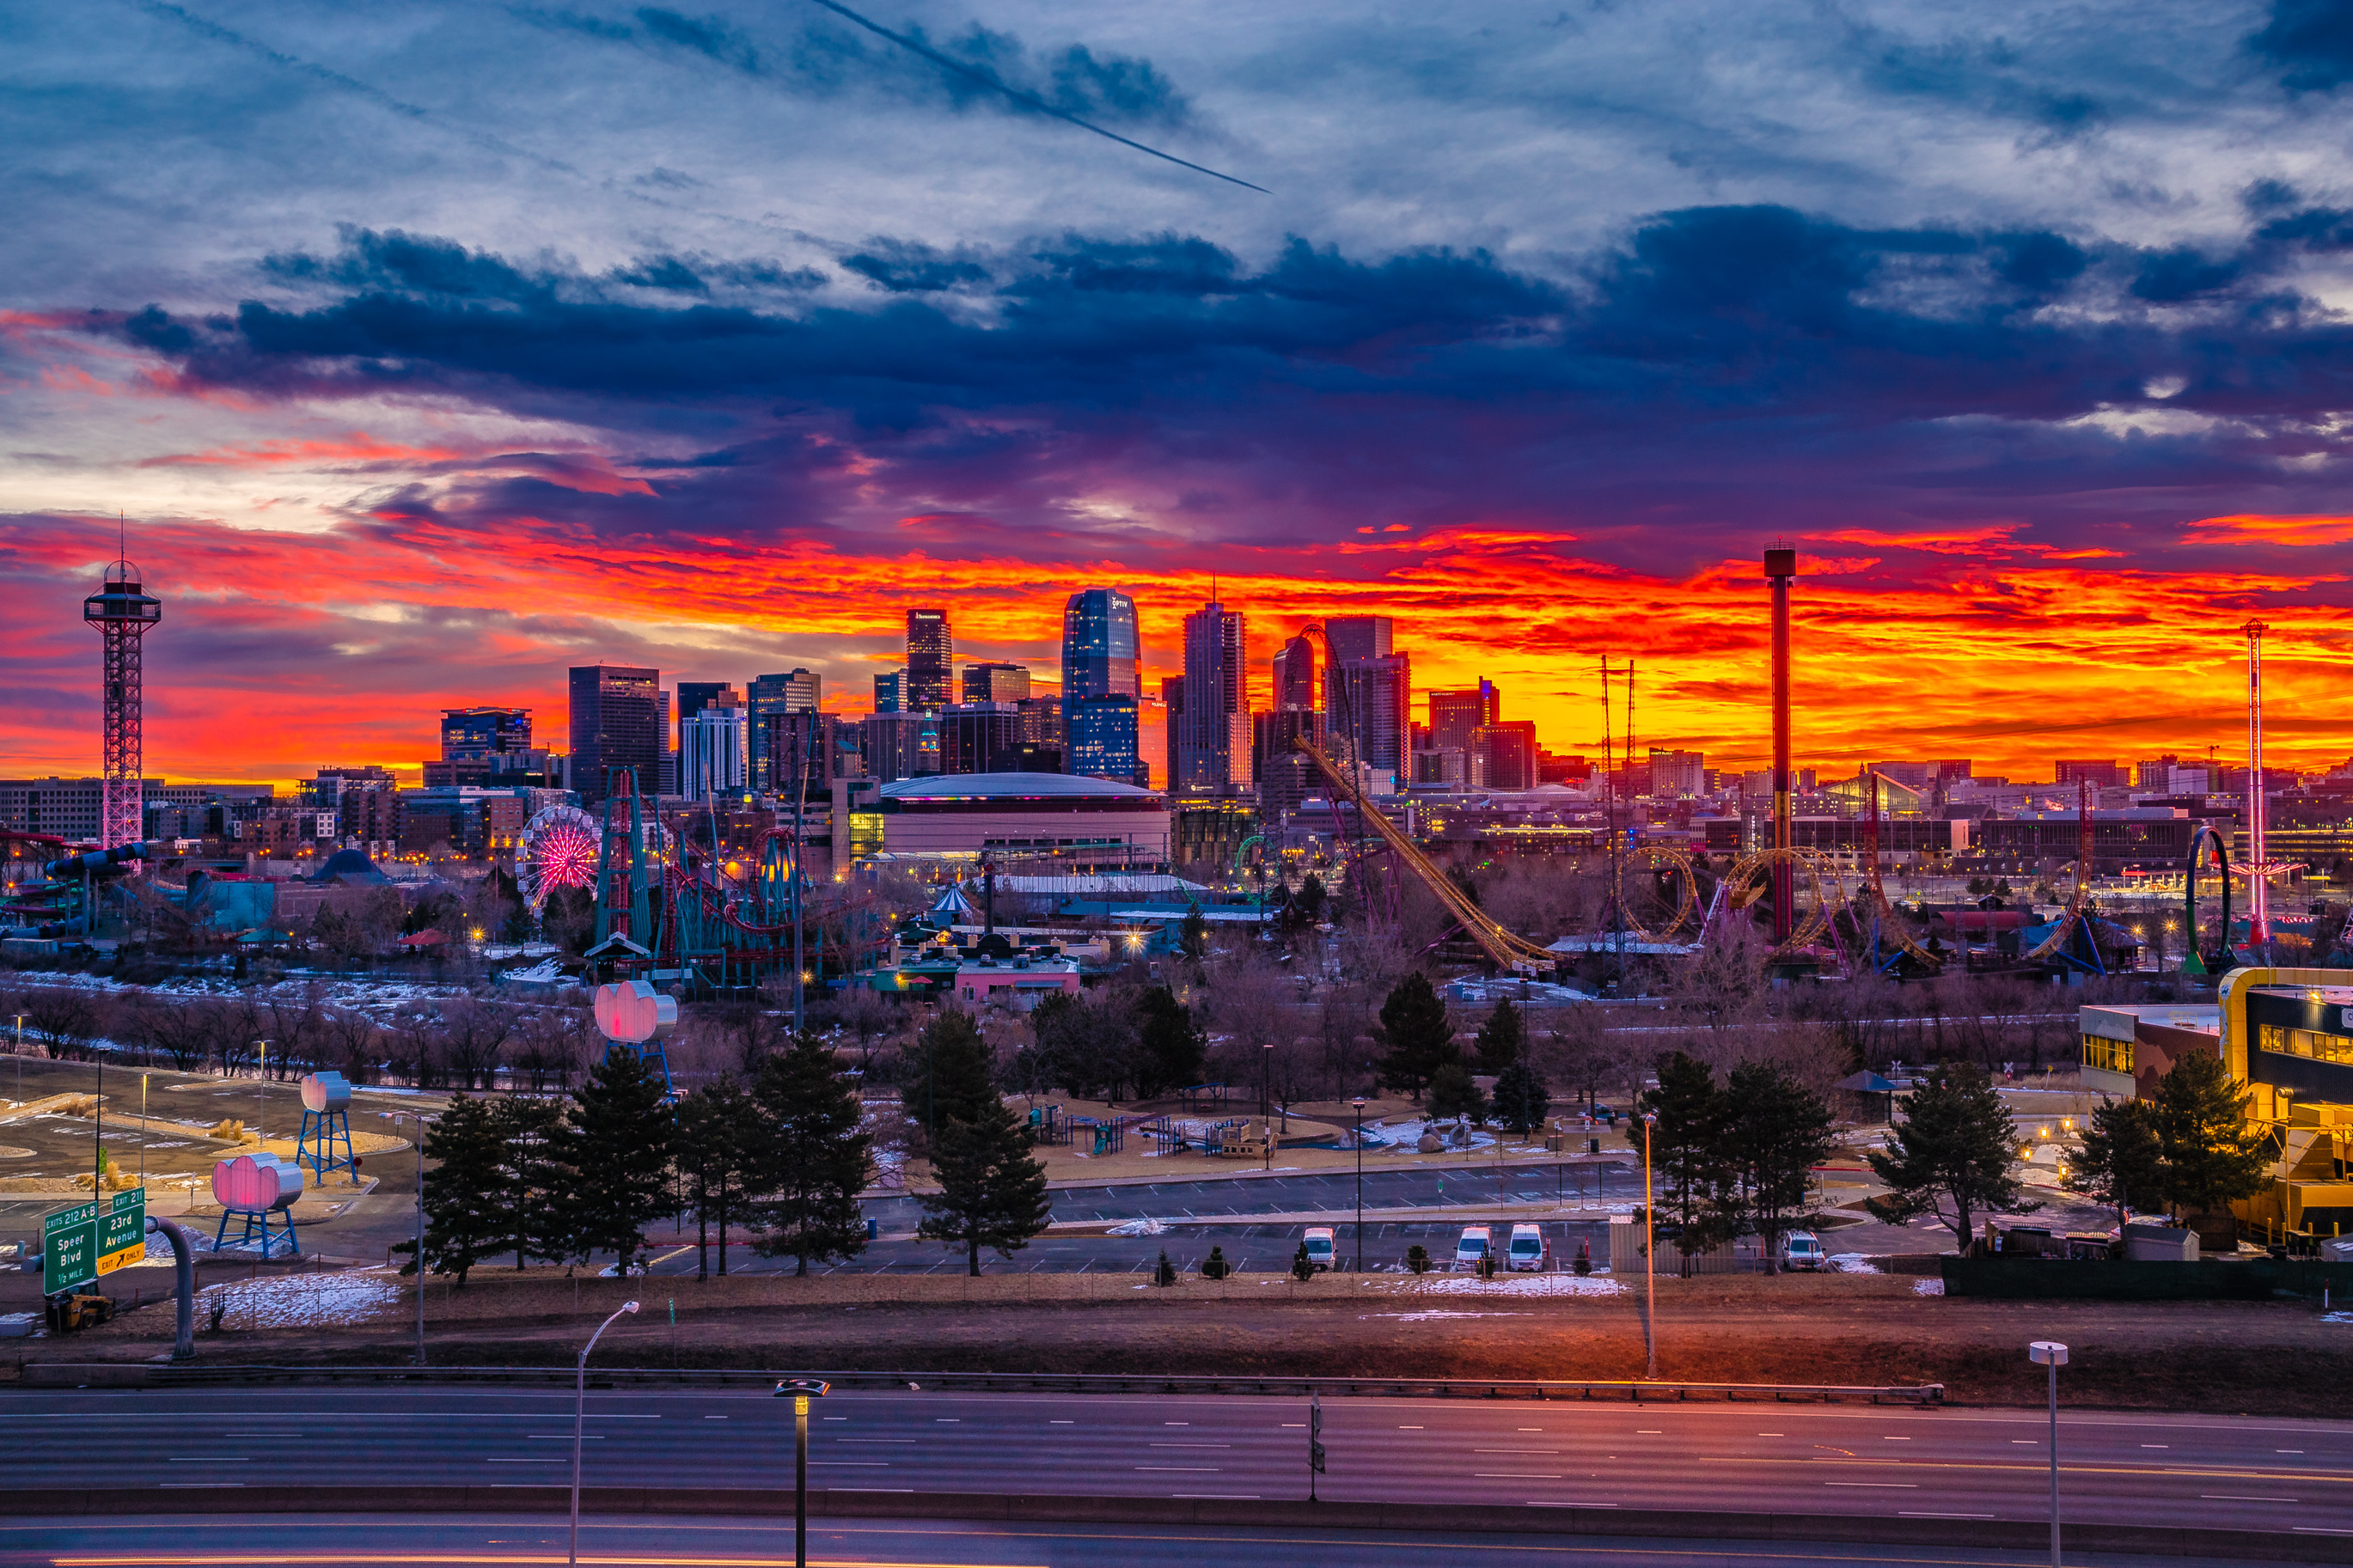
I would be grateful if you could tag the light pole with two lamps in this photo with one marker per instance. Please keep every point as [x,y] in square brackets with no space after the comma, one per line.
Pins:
[579,1414]
[1650,1246]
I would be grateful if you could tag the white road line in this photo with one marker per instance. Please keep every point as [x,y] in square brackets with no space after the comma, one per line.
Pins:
[1895,1486]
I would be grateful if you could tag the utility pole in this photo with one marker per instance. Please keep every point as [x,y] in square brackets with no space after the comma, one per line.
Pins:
[1360,1103]
[2051,1353]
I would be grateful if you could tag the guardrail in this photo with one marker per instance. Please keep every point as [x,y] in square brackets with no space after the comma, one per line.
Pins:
[160,1376]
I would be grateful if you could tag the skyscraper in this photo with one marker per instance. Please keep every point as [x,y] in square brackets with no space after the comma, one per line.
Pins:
[694,696]
[798,692]
[710,752]
[995,682]
[890,692]
[1099,648]
[618,720]
[1367,692]
[1100,664]
[1359,637]
[1454,714]
[1295,676]
[484,731]
[1213,734]
[931,654]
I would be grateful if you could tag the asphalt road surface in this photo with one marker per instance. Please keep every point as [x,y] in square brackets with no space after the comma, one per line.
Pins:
[1948,1463]
[768,1543]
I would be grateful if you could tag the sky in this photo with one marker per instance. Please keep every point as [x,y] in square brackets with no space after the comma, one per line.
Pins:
[420,352]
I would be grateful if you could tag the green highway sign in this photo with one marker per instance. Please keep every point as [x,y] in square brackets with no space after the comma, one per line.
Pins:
[81,1243]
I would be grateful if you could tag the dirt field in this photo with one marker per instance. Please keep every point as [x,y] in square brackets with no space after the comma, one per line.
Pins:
[2280,1358]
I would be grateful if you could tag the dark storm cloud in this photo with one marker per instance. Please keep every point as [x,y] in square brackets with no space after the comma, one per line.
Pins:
[1805,357]
[2312,38]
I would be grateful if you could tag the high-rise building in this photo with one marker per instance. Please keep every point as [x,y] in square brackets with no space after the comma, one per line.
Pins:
[980,738]
[483,731]
[890,692]
[930,655]
[1172,720]
[710,752]
[694,696]
[807,746]
[1367,704]
[996,682]
[1295,676]
[2103,773]
[795,691]
[1678,772]
[620,719]
[1285,777]
[1102,736]
[2155,773]
[1213,736]
[1503,755]
[1454,714]
[900,746]
[1101,652]
[1359,637]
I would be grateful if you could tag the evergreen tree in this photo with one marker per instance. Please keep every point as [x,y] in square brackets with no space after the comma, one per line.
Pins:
[1523,1098]
[1415,1029]
[1775,1131]
[531,1139]
[466,1217]
[2119,1159]
[1193,936]
[1951,1154]
[816,1160]
[1687,1165]
[1503,1039]
[723,1136]
[1174,1048]
[618,1149]
[992,1189]
[2212,1153]
[952,1076]
[1452,1093]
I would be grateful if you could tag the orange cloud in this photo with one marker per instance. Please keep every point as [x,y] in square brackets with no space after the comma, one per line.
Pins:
[2254,528]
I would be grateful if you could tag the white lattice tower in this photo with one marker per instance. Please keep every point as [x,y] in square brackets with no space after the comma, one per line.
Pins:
[122,616]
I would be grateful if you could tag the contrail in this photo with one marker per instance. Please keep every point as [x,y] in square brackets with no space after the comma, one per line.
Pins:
[1026,99]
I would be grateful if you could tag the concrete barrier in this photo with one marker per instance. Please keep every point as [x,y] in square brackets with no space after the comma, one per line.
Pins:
[994,1508]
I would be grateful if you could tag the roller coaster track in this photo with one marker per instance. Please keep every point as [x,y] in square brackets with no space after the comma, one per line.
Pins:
[1508,950]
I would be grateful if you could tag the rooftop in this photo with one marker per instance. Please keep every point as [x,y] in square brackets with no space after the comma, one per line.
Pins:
[1012,786]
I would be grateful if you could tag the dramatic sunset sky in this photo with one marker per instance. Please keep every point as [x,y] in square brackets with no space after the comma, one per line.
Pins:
[429,349]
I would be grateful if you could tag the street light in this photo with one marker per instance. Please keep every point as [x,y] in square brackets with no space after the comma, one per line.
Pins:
[396,1117]
[1650,1247]
[1360,1103]
[801,1390]
[1265,1089]
[260,1090]
[2053,1354]
[579,1414]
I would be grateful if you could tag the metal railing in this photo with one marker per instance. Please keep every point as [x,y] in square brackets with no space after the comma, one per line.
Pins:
[1077,1383]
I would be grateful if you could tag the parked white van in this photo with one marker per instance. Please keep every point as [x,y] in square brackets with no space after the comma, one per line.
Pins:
[1478,1242]
[1529,1250]
[1803,1249]
[1319,1245]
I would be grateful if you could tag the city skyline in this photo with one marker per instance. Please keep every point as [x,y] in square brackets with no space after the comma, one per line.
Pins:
[419,376]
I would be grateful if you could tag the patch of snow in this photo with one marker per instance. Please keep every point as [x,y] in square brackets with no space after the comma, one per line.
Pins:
[1853,1263]
[1519,1285]
[1928,1287]
[300,1301]
[1140,1227]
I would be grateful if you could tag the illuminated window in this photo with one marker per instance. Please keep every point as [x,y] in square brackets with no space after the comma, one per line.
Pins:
[2309,1043]
[2110,1056]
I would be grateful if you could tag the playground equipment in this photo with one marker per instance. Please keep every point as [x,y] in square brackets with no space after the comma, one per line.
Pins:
[326,1118]
[634,1016]
[257,1189]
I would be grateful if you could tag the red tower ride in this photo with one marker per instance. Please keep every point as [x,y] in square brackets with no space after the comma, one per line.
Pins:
[122,616]
[1780,567]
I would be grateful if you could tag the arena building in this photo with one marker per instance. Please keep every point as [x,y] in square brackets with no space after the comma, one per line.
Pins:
[1021,817]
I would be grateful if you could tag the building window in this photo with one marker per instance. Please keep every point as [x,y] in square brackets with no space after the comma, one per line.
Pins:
[2308,1042]
[2110,1056]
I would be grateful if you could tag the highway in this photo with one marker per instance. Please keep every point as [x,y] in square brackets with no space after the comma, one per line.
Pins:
[767,1542]
[2221,1472]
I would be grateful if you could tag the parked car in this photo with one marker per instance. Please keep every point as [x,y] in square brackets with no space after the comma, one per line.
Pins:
[1319,1246]
[1478,1242]
[1803,1249]
[1530,1251]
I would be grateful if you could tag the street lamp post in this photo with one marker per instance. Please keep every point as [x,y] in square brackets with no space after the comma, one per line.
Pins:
[397,1117]
[2053,1354]
[1265,1090]
[261,1088]
[1650,1247]
[579,1416]
[801,1390]
[20,1059]
[1360,1103]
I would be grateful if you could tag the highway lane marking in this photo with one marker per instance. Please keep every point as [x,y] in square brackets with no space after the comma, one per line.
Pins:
[1885,1485]
[261,1434]
[1901,1513]
[1515,1450]
[1512,1476]
[1177,1469]
[216,1459]
[2243,1496]
[1190,1444]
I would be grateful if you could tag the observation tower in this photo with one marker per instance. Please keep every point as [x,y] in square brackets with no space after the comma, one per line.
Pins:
[122,616]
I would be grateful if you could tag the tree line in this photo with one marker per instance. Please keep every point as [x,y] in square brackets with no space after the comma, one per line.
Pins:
[783,1153]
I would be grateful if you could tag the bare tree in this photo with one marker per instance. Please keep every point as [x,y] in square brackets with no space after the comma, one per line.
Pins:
[473,1033]
[298,1025]
[64,1019]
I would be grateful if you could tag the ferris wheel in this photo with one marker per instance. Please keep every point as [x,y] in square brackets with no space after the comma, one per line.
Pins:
[560,849]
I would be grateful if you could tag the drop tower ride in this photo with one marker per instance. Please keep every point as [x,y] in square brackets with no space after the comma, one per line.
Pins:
[122,616]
